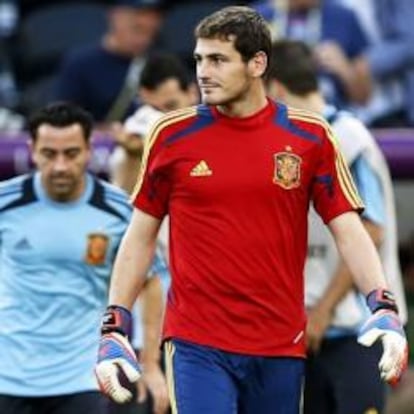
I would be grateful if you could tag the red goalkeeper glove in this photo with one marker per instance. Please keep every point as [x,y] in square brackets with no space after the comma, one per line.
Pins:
[116,353]
[385,324]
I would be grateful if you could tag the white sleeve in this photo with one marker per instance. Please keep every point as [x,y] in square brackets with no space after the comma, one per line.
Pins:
[353,136]
[142,120]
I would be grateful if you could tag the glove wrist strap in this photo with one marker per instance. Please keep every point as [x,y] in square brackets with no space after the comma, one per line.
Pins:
[117,319]
[381,299]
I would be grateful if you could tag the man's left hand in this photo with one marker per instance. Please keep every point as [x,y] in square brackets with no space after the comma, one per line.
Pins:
[385,324]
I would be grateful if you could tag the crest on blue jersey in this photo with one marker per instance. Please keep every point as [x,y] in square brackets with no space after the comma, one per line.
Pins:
[287,170]
[97,248]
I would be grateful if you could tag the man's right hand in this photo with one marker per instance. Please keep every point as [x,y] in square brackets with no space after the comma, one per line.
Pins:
[319,320]
[116,353]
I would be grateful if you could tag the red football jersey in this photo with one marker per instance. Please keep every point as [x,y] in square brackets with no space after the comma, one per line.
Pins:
[237,191]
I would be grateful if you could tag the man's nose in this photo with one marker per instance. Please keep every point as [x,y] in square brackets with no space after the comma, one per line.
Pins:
[203,70]
[60,163]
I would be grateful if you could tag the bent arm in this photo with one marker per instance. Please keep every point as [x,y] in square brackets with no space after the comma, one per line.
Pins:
[133,259]
[358,252]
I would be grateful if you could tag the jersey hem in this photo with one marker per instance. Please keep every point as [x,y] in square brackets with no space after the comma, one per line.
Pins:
[277,352]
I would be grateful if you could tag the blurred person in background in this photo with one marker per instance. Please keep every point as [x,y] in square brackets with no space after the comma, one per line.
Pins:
[9,19]
[336,37]
[165,85]
[60,228]
[104,78]
[10,121]
[341,374]
[390,58]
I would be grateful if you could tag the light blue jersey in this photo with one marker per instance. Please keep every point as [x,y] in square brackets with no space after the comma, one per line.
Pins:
[370,191]
[357,146]
[56,260]
[370,188]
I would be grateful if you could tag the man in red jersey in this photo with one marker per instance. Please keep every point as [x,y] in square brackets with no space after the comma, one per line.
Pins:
[236,175]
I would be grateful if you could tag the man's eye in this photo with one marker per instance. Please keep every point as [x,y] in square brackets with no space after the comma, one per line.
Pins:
[48,154]
[72,153]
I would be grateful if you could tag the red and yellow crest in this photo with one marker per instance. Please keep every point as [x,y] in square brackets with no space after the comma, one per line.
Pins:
[97,248]
[287,170]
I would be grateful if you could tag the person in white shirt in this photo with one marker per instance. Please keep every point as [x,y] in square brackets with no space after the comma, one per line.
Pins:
[335,308]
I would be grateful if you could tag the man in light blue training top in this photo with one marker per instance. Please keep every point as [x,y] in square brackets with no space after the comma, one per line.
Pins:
[59,229]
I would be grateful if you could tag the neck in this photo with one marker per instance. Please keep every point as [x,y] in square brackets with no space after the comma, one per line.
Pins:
[253,101]
[66,197]
[312,102]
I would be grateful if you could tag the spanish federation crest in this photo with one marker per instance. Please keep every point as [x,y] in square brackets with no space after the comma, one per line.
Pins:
[287,170]
[97,247]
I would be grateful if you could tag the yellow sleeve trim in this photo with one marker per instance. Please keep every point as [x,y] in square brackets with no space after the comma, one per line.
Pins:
[345,178]
[151,138]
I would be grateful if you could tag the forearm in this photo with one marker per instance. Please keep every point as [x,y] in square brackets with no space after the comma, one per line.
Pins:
[342,281]
[152,314]
[133,261]
[357,81]
[358,252]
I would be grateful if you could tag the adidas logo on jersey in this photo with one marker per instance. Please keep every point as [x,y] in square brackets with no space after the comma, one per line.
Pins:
[201,170]
[23,244]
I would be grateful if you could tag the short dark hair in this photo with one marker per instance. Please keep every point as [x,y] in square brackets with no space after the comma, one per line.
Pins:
[294,65]
[161,67]
[61,114]
[249,28]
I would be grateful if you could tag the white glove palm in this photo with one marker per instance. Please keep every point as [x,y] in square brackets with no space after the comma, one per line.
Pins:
[115,353]
[385,325]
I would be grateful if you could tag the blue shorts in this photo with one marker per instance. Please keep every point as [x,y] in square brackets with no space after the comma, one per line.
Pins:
[204,380]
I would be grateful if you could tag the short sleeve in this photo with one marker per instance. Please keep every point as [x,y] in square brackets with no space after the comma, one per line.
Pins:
[333,190]
[152,190]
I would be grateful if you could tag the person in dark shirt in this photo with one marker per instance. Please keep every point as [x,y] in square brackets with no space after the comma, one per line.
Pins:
[337,39]
[103,78]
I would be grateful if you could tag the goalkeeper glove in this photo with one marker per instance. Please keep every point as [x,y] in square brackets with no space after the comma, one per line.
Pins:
[385,324]
[116,353]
